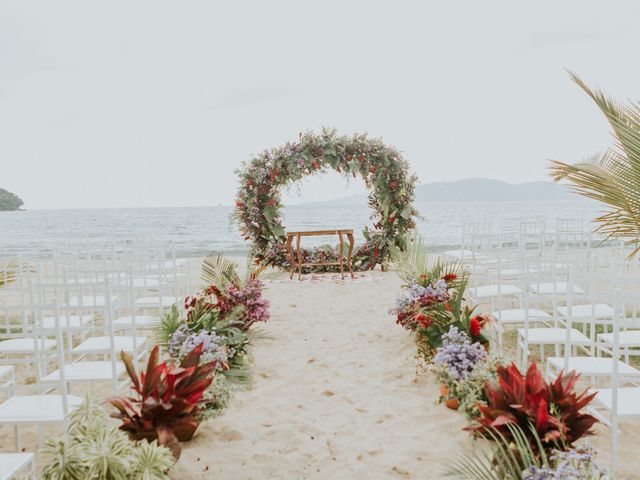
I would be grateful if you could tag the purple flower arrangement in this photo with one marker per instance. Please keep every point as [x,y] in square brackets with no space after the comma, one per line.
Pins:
[184,341]
[458,355]
[256,307]
[576,464]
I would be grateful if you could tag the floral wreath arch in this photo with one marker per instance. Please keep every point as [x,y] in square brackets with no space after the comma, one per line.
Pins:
[384,171]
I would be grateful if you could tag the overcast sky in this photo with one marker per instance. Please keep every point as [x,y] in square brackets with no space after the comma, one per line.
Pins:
[131,103]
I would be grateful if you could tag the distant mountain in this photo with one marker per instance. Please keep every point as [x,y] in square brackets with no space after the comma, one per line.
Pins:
[486,190]
[477,190]
[9,201]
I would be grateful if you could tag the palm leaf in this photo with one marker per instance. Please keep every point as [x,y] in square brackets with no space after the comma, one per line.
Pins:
[501,459]
[614,177]
[411,261]
[219,271]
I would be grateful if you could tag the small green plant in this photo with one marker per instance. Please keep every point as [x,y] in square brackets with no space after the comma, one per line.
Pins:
[94,449]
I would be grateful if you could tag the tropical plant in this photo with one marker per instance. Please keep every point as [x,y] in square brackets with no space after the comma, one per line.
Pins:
[614,177]
[554,409]
[94,449]
[520,456]
[167,398]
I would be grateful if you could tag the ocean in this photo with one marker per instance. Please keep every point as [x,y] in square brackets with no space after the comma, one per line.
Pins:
[198,231]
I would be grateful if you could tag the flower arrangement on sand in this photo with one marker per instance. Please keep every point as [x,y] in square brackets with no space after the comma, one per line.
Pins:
[532,426]
[432,300]
[383,169]
[454,364]
[219,320]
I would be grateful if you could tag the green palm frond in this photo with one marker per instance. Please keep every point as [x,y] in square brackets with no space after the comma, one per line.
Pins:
[614,177]
[500,459]
[411,261]
[219,271]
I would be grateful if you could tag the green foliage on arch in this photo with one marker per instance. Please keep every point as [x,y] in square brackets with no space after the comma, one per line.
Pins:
[383,169]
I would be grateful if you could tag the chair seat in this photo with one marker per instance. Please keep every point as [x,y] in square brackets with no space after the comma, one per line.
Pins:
[87,371]
[597,310]
[462,254]
[593,366]
[156,302]
[32,409]
[628,400]
[25,345]
[489,291]
[103,344]
[85,281]
[554,336]
[516,272]
[140,321]
[90,301]
[629,338]
[67,322]
[517,315]
[553,288]
[12,463]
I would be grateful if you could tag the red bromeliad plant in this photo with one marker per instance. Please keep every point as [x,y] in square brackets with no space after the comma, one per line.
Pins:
[167,399]
[553,409]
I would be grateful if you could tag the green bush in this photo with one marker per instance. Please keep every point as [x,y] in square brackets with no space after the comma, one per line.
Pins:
[9,201]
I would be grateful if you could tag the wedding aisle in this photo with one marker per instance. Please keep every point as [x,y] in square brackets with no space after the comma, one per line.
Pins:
[335,395]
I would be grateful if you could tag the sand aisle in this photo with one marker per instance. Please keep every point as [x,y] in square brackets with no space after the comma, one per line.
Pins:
[335,396]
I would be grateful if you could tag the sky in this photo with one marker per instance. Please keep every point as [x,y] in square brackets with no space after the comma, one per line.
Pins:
[156,103]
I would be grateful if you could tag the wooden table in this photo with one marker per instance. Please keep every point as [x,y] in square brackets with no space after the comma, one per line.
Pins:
[340,232]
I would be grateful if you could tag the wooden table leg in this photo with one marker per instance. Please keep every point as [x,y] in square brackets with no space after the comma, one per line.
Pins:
[341,256]
[299,257]
[351,243]
[290,252]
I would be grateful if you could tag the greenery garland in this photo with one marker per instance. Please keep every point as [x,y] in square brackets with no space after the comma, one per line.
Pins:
[383,169]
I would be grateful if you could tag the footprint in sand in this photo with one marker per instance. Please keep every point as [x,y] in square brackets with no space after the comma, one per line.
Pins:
[328,393]
[229,435]
[311,360]
[399,472]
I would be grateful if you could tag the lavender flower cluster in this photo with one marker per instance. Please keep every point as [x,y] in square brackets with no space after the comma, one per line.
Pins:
[436,292]
[458,354]
[576,464]
[412,295]
[184,340]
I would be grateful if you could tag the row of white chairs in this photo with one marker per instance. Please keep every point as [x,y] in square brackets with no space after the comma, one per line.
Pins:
[581,303]
[63,323]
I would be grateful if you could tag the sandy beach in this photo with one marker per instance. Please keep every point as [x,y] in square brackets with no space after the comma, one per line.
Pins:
[336,395]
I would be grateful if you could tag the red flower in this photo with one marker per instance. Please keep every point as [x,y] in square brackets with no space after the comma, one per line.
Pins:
[239,203]
[315,165]
[271,201]
[423,320]
[449,277]
[424,278]
[349,157]
[474,327]
[361,159]
[372,169]
[393,184]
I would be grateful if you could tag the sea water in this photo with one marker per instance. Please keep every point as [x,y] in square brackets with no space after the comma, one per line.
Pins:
[198,231]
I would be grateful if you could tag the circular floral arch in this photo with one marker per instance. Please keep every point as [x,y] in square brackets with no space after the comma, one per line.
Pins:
[384,171]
